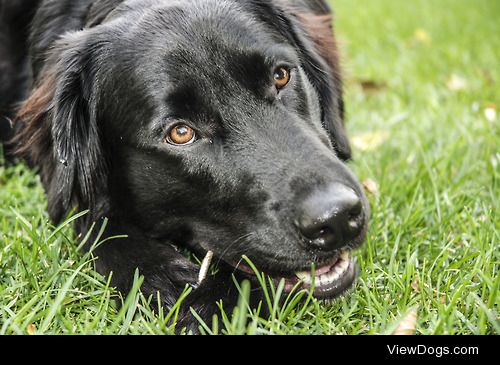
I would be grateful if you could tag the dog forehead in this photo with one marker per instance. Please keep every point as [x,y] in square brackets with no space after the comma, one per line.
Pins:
[197,59]
[215,53]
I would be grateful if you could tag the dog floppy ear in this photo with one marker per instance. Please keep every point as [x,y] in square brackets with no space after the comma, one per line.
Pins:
[319,29]
[311,24]
[60,132]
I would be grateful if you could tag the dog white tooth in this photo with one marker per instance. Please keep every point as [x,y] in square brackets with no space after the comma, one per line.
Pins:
[341,269]
[321,281]
[339,272]
[334,276]
[205,266]
[325,280]
[343,265]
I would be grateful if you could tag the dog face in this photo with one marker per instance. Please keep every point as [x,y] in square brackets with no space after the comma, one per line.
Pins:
[211,126]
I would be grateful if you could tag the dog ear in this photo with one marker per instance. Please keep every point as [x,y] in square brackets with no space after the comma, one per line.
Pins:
[60,131]
[319,30]
[311,25]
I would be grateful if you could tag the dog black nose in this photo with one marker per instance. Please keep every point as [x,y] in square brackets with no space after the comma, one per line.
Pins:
[331,217]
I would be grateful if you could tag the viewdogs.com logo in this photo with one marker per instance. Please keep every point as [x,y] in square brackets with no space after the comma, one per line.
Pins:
[437,351]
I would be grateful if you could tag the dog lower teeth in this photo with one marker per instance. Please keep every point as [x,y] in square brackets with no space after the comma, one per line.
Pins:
[335,272]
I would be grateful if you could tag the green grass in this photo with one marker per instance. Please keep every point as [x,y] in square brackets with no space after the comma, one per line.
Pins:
[434,240]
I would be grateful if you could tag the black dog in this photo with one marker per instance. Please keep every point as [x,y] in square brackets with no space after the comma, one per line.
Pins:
[207,125]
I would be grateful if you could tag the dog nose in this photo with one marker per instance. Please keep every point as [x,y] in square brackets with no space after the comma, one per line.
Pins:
[331,217]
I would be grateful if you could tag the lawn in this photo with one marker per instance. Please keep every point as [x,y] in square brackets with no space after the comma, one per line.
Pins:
[423,101]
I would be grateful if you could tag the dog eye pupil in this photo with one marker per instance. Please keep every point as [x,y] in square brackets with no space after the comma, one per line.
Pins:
[281,77]
[181,135]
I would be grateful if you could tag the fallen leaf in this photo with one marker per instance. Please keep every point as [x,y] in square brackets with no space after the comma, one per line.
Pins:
[415,285]
[372,85]
[422,36]
[31,329]
[490,113]
[370,141]
[408,325]
[456,83]
[488,76]
[371,186]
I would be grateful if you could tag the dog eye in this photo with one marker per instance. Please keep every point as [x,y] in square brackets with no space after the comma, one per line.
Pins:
[281,77]
[181,135]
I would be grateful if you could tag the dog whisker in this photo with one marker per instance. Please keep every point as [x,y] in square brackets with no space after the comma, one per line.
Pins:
[237,241]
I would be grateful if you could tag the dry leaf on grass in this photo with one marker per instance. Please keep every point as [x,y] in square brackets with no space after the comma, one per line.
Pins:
[456,83]
[490,112]
[371,187]
[408,325]
[369,141]
[422,36]
[372,85]
[415,285]
[442,299]
[31,329]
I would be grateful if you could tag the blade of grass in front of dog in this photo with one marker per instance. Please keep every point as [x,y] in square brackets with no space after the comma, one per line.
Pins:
[273,295]
[224,317]
[242,311]
[173,314]
[128,308]
[276,295]
[103,305]
[66,223]
[310,292]
[291,302]
[98,242]
[55,306]
[240,316]
[261,277]
[241,292]
[87,237]
[204,328]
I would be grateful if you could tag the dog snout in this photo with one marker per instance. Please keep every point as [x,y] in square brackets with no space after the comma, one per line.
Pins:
[330,218]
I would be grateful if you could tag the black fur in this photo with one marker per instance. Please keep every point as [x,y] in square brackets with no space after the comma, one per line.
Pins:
[111,76]
[15,17]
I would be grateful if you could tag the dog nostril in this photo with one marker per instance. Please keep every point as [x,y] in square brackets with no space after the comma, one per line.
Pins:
[330,218]
[321,240]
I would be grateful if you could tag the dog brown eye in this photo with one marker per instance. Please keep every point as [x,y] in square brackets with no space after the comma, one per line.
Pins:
[181,135]
[281,77]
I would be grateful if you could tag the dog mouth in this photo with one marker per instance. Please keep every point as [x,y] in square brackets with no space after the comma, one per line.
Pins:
[330,279]
[327,281]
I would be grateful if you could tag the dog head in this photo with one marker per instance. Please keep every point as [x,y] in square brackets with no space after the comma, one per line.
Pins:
[212,125]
